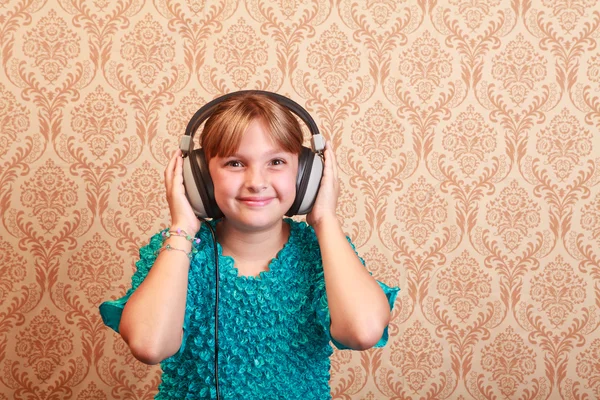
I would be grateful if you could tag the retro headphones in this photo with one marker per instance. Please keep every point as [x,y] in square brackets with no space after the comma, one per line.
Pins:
[196,177]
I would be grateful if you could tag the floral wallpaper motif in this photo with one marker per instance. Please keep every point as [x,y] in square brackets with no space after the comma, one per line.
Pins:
[557,289]
[509,360]
[48,194]
[464,284]
[513,212]
[15,119]
[43,344]
[417,356]
[422,210]
[470,140]
[519,67]
[148,50]
[98,120]
[467,144]
[51,45]
[96,267]
[335,58]
[564,143]
[425,64]
[241,51]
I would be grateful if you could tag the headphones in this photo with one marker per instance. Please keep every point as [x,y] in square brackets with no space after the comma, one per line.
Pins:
[199,186]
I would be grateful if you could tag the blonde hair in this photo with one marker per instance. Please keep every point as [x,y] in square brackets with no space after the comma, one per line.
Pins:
[223,131]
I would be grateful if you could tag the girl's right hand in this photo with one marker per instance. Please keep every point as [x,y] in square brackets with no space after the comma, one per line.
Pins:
[182,215]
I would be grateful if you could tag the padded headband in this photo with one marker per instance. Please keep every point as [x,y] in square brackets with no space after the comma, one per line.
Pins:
[317,141]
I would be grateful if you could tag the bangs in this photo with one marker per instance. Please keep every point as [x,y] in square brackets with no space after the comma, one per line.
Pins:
[222,136]
[222,133]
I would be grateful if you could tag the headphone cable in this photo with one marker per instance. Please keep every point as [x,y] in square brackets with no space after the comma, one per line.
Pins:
[216,252]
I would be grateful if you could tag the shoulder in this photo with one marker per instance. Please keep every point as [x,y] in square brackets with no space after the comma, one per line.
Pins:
[305,235]
[303,243]
[149,248]
[301,233]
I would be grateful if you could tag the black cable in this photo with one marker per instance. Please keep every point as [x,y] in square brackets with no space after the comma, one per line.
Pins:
[214,238]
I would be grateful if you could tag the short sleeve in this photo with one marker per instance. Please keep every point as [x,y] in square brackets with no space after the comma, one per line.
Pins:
[322,308]
[111,310]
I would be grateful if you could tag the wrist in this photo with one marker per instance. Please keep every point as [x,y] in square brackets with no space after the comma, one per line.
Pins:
[326,223]
[177,234]
[186,229]
[178,241]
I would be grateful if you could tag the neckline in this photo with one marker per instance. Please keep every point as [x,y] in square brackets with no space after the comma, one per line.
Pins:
[274,264]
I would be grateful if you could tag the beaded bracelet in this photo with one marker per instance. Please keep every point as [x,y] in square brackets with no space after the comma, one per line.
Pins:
[168,247]
[182,233]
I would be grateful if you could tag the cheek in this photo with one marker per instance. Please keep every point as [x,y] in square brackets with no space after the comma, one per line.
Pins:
[223,186]
[287,185]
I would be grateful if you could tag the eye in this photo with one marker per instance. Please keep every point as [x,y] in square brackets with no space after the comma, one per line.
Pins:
[233,163]
[278,161]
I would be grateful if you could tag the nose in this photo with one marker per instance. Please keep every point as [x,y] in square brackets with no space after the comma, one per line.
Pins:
[256,179]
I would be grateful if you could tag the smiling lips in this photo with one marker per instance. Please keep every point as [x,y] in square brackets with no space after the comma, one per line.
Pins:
[255,201]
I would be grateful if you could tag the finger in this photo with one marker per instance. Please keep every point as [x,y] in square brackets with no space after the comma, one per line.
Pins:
[178,176]
[330,161]
[327,159]
[333,163]
[169,170]
[171,164]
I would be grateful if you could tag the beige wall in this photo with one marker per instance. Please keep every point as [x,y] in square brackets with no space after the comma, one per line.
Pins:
[466,134]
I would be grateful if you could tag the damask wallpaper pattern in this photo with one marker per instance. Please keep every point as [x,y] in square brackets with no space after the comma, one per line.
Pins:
[466,133]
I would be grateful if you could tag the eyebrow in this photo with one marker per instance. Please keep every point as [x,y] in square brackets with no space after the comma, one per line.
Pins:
[268,154]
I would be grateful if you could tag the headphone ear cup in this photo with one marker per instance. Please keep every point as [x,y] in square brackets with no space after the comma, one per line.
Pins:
[310,172]
[199,187]
[191,188]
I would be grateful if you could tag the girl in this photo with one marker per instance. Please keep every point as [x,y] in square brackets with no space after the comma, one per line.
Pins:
[286,288]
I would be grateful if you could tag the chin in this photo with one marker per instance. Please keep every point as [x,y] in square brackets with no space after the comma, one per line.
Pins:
[255,219]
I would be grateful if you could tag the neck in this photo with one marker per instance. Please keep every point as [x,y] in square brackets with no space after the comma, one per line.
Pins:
[242,245]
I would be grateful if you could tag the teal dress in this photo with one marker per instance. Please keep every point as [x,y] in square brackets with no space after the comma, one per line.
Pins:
[274,340]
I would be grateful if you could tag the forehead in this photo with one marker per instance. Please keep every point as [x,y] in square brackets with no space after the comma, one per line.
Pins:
[260,153]
[256,140]
[258,135]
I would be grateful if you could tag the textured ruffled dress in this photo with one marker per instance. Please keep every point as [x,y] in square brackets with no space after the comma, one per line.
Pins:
[274,340]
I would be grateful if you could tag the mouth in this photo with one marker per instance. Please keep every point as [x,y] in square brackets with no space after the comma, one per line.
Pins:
[255,201]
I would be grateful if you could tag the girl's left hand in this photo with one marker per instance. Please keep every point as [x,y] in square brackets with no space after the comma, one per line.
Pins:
[329,191]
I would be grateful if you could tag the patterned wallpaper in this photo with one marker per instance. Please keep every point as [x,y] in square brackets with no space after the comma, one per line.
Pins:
[467,137]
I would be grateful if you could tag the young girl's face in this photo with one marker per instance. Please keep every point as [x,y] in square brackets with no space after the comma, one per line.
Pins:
[256,186]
